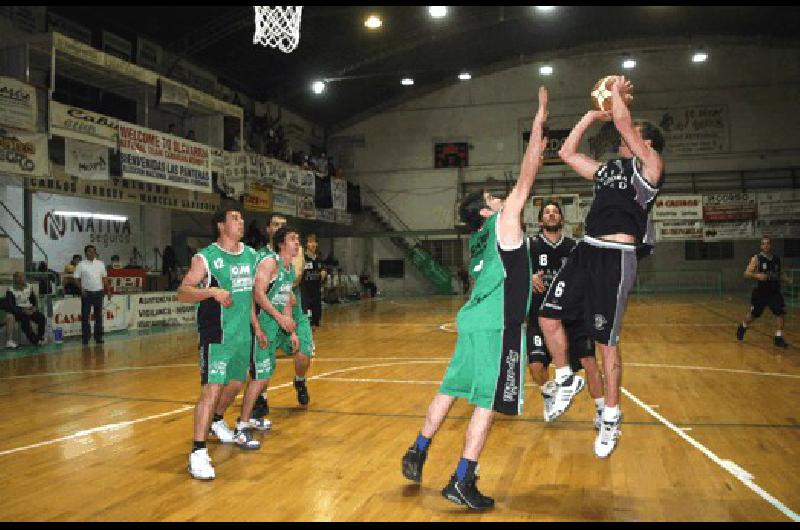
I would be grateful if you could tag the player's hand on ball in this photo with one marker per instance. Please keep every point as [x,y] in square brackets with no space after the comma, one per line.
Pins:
[624,88]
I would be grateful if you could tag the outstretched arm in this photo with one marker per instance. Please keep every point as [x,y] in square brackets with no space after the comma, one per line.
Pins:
[583,165]
[509,228]
[652,164]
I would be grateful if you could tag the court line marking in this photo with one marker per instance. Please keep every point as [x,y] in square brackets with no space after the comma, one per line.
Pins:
[728,465]
[119,425]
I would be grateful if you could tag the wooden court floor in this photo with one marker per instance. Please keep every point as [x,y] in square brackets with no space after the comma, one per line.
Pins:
[711,428]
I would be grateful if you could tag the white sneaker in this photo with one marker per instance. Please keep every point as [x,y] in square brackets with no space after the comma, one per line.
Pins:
[598,419]
[11,344]
[565,392]
[262,424]
[244,439]
[200,465]
[223,433]
[606,439]
[548,395]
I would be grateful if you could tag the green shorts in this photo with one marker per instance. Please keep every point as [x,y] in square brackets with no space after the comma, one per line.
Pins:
[488,369]
[223,363]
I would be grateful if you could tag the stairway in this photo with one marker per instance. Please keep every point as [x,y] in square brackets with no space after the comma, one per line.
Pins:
[410,245]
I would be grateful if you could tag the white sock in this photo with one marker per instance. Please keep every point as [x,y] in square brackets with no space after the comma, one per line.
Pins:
[600,403]
[563,373]
[241,425]
[611,413]
[779,333]
[744,325]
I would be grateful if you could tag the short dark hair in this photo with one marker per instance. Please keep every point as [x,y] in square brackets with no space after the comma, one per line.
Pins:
[767,238]
[469,210]
[87,247]
[280,236]
[652,133]
[551,203]
[115,257]
[220,216]
[77,256]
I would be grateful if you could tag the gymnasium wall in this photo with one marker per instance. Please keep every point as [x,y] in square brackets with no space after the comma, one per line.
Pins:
[751,86]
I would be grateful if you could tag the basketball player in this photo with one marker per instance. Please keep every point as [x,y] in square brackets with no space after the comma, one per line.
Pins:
[601,270]
[225,312]
[549,251]
[765,268]
[261,408]
[487,365]
[313,279]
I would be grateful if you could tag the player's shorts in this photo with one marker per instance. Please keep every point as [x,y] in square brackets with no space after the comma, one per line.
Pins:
[223,363]
[594,285]
[487,369]
[760,299]
[579,344]
[262,364]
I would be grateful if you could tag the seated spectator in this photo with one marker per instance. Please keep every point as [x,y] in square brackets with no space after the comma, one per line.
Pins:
[369,286]
[22,303]
[70,287]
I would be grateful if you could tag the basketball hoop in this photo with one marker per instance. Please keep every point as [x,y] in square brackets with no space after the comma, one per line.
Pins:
[278,27]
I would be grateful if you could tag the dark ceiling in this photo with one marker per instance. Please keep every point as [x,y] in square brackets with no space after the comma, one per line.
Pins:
[335,44]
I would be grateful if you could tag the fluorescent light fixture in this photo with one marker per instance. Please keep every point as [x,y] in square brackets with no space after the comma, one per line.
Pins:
[545,9]
[629,63]
[465,76]
[546,69]
[318,87]
[699,56]
[407,81]
[437,11]
[90,215]
[373,22]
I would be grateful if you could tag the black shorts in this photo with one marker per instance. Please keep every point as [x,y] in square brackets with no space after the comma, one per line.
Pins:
[579,344]
[312,306]
[593,285]
[759,300]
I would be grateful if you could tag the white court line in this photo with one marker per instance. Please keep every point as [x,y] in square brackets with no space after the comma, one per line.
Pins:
[710,369]
[115,426]
[282,360]
[102,428]
[743,476]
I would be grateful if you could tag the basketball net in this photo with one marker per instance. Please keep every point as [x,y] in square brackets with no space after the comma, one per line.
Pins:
[278,27]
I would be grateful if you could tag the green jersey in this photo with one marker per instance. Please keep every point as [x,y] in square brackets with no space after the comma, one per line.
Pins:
[235,273]
[280,290]
[502,290]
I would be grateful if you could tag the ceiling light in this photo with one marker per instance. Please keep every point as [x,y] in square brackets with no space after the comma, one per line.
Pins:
[629,63]
[89,215]
[546,69]
[373,22]
[465,76]
[699,56]
[437,11]
[545,9]
[407,81]
[318,87]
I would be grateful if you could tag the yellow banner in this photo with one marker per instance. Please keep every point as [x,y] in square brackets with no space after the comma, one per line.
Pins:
[258,199]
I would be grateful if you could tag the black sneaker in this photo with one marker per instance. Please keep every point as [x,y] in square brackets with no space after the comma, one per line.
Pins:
[302,392]
[413,461]
[740,332]
[779,342]
[465,493]
[261,408]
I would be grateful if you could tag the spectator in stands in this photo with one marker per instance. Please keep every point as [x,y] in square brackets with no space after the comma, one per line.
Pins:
[169,266]
[48,279]
[331,170]
[369,286]
[70,287]
[115,262]
[171,129]
[21,300]
[190,135]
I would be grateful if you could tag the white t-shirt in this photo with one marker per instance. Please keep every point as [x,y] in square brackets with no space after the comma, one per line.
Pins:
[22,298]
[91,274]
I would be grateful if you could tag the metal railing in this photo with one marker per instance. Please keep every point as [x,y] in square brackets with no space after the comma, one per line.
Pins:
[14,217]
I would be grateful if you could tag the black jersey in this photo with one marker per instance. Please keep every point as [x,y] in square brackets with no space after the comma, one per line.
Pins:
[771,266]
[548,257]
[622,200]
[312,278]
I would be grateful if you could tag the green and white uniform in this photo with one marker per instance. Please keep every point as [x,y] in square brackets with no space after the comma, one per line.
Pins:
[263,360]
[224,332]
[487,367]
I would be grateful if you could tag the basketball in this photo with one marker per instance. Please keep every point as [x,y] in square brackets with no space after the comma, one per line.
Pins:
[601,94]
